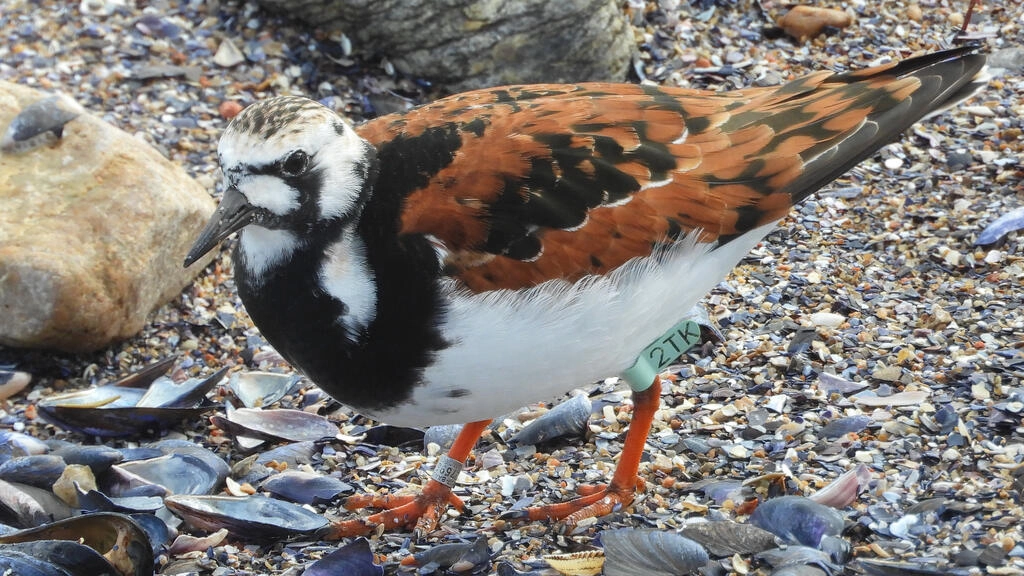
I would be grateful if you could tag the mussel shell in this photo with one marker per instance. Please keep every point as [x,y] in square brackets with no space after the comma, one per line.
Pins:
[305,487]
[636,552]
[843,426]
[120,422]
[178,473]
[353,559]
[725,538]
[250,517]
[566,419]
[25,506]
[796,556]
[53,558]
[280,424]
[142,403]
[40,470]
[116,536]
[259,389]
[457,556]
[166,393]
[798,520]
[1002,226]
[97,458]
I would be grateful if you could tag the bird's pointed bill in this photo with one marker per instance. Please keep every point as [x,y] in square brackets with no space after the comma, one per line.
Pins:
[233,214]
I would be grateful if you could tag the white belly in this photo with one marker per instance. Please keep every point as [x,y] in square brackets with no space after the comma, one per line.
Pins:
[515,348]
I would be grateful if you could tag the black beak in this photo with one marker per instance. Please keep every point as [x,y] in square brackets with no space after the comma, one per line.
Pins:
[233,214]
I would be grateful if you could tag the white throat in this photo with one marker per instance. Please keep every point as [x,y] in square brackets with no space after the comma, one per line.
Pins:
[347,276]
[262,248]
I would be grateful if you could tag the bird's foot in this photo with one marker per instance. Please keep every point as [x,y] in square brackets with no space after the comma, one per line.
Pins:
[421,512]
[593,502]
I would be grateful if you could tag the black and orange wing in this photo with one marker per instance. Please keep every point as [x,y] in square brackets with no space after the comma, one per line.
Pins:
[525,184]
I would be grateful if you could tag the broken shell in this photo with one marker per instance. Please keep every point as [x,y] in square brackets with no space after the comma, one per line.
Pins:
[842,491]
[583,563]
[843,426]
[798,520]
[249,517]
[259,389]
[39,123]
[352,559]
[1000,227]
[634,552]
[566,419]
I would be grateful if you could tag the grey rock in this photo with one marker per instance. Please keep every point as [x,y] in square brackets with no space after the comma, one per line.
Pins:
[93,229]
[468,44]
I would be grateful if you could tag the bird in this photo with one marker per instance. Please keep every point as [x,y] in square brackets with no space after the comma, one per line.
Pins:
[500,247]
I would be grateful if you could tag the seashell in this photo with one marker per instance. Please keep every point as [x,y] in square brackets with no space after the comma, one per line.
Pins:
[305,487]
[248,517]
[40,470]
[829,383]
[53,558]
[791,559]
[98,458]
[259,389]
[456,557]
[24,506]
[1000,227]
[39,124]
[95,501]
[443,435]
[634,552]
[842,426]
[582,563]
[119,539]
[725,538]
[566,419]
[352,559]
[842,491]
[14,444]
[177,473]
[278,424]
[798,520]
[187,543]
[292,454]
[13,382]
[138,404]
[872,400]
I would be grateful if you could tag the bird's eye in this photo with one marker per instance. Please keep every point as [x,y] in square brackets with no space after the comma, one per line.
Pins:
[295,164]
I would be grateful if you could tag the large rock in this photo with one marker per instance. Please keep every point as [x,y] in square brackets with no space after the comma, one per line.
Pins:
[469,44]
[93,230]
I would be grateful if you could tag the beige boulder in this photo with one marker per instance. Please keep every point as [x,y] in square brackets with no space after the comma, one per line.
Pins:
[93,231]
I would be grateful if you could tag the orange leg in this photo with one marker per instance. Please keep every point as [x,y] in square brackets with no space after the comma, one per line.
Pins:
[422,511]
[601,500]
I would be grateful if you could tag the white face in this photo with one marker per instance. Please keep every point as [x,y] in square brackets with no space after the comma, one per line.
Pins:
[296,161]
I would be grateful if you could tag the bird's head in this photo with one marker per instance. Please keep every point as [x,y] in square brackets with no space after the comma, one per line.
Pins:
[291,167]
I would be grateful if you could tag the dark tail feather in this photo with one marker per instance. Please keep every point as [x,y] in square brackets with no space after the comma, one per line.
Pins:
[947,77]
